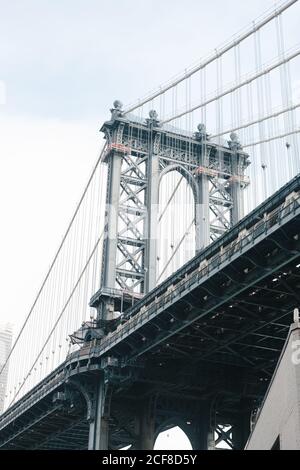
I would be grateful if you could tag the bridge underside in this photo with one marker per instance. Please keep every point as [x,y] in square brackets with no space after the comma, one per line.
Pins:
[222,363]
[203,360]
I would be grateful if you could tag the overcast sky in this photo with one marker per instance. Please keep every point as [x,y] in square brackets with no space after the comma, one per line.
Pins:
[62,63]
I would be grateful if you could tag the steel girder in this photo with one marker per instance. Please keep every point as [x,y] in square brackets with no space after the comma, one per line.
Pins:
[240,308]
[138,154]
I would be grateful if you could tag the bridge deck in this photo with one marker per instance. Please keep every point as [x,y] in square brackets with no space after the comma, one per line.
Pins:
[217,324]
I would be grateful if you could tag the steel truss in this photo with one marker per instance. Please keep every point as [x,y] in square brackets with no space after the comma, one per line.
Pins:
[138,155]
[187,338]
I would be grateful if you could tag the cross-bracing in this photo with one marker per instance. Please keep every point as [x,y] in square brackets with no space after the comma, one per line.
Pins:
[242,87]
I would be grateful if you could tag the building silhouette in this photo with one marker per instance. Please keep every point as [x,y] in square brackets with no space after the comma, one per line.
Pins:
[5,347]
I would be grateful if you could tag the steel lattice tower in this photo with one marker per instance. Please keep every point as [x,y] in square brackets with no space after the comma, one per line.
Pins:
[139,153]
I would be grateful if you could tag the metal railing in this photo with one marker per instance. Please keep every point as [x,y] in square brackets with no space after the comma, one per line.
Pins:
[192,280]
[203,269]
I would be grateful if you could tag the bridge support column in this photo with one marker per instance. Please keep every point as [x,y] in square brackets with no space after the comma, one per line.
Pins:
[202,232]
[113,197]
[241,431]
[201,433]
[98,432]
[146,426]
[237,211]
[152,219]
[202,221]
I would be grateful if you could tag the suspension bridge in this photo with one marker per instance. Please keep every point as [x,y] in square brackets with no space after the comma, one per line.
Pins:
[170,297]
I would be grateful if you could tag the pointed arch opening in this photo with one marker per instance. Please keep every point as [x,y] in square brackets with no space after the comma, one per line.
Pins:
[176,219]
[173,438]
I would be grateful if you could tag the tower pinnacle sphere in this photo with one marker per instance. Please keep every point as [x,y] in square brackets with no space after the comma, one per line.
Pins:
[153,114]
[118,104]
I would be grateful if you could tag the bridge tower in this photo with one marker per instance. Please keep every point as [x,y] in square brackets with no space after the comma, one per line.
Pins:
[138,154]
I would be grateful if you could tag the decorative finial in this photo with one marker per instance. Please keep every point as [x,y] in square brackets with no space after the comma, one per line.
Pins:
[153,114]
[118,104]
[116,111]
[153,118]
[201,134]
[201,128]
[234,142]
[234,137]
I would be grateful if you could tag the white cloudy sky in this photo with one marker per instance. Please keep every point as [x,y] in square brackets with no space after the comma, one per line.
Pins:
[62,63]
